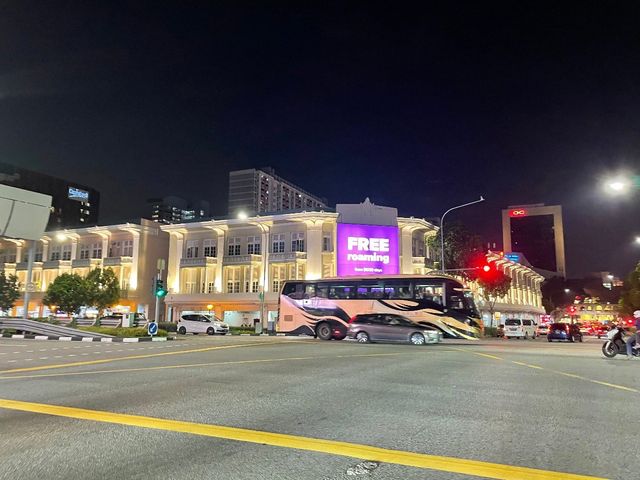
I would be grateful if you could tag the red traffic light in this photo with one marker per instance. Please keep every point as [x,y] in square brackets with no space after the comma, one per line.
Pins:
[486,268]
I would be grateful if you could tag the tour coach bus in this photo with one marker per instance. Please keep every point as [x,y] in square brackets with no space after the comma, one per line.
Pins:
[324,307]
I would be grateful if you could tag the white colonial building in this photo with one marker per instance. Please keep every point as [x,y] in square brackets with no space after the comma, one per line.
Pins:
[131,250]
[224,265]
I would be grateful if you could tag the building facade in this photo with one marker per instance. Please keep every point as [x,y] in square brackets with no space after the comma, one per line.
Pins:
[131,250]
[73,204]
[257,191]
[524,299]
[224,266]
[170,209]
[536,231]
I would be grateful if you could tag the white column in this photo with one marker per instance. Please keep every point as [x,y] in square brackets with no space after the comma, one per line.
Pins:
[105,246]
[74,248]
[406,254]
[314,250]
[264,249]
[18,252]
[133,278]
[219,265]
[176,240]
[45,251]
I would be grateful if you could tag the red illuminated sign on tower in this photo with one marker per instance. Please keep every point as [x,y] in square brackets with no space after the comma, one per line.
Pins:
[518,212]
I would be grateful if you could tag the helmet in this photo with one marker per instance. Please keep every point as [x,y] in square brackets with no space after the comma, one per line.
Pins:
[636,314]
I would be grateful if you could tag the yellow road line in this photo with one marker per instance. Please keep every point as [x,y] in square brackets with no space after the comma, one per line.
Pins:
[195,365]
[558,372]
[332,447]
[136,357]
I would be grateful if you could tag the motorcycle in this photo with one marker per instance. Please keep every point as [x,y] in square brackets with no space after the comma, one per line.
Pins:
[616,345]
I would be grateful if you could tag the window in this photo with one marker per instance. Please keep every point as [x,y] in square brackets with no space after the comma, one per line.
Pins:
[234,247]
[372,290]
[66,252]
[253,245]
[85,251]
[233,287]
[278,276]
[55,253]
[397,289]
[127,248]
[526,322]
[38,255]
[233,280]
[192,249]
[96,250]
[297,242]
[428,292]
[210,248]
[326,242]
[277,243]
[342,291]
[294,290]
[211,287]
[115,249]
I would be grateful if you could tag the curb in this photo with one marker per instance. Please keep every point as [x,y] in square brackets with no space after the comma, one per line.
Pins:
[86,339]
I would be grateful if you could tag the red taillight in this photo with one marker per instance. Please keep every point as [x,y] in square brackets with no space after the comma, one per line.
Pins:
[352,319]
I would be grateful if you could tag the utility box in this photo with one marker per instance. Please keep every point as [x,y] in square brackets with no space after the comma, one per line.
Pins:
[128,319]
[257,325]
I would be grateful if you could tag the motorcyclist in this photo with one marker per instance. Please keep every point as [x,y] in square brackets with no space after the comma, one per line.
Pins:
[633,339]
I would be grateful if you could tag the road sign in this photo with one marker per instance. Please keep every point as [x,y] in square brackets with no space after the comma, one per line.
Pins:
[30,287]
[152,328]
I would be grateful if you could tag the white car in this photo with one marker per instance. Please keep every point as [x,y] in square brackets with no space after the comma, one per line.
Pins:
[196,323]
[519,328]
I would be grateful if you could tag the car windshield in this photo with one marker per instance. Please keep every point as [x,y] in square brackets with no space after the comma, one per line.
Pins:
[512,321]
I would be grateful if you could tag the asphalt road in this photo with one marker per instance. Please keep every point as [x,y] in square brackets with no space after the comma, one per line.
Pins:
[504,404]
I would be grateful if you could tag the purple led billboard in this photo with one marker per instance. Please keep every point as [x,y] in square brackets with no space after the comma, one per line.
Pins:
[367,250]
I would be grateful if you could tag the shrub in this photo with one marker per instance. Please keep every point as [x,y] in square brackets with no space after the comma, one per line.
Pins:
[239,330]
[123,331]
[168,326]
[490,332]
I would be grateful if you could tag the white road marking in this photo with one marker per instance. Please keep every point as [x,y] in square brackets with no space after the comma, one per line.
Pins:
[72,355]
[12,361]
[44,358]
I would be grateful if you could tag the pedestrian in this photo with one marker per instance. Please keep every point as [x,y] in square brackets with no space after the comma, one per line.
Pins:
[633,339]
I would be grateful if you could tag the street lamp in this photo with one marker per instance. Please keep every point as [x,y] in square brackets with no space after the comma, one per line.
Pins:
[637,240]
[566,290]
[481,199]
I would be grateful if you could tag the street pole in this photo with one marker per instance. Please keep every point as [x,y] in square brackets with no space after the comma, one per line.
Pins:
[160,265]
[442,229]
[29,284]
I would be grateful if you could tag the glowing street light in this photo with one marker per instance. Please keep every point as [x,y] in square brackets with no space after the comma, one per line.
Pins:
[61,237]
[242,215]
[637,240]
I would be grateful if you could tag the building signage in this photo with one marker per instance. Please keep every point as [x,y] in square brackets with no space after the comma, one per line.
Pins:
[518,212]
[514,257]
[78,194]
[367,249]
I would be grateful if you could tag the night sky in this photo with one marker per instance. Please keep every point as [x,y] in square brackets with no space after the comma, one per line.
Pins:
[417,109]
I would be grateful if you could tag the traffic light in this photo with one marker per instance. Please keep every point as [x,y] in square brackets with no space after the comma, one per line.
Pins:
[486,271]
[159,289]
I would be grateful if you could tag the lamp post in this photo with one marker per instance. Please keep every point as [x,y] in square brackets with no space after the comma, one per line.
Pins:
[481,199]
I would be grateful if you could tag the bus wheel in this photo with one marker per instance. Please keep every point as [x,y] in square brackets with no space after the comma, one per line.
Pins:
[323,331]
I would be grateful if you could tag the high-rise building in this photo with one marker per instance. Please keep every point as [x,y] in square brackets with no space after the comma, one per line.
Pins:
[170,209]
[537,232]
[255,191]
[72,205]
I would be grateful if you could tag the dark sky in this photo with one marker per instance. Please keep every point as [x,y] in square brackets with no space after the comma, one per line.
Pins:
[418,109]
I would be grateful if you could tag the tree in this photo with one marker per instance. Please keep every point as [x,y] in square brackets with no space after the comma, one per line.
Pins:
[9,292]
[461,247]
[630,297]
[494,286]
[68,292]
[103,288]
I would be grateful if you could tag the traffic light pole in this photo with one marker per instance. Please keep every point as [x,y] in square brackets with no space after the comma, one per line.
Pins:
[158,278]
[442,269]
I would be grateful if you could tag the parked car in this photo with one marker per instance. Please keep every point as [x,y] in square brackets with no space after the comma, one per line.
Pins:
[600,330]
[384,327]
[542,330]
[565,332]
[519,328]
[197,323]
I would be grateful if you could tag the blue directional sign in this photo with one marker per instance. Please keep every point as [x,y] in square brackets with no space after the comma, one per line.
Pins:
[152,328]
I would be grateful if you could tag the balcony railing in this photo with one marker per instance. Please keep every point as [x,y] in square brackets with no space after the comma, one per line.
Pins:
[241,259]
[85,262]
[287,257]
[198,262]
[115,261]
[56,263]
[418,261]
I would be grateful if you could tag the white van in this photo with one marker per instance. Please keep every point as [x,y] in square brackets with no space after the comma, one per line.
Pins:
[197,323]
[519,328]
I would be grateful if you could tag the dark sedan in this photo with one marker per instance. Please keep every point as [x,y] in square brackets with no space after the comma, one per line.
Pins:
[564,332]
[384,327]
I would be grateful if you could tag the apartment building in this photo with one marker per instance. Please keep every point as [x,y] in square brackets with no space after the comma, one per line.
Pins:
[131,250]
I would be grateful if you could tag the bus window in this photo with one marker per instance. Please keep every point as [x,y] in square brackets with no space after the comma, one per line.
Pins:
[428,292]
[310,290]
[322,290]
[294,290]
[373,290]
[342,291]
[399,289]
